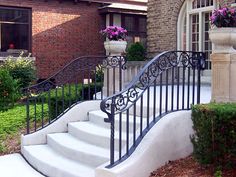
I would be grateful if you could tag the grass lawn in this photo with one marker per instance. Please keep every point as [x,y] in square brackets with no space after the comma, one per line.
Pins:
[12,125]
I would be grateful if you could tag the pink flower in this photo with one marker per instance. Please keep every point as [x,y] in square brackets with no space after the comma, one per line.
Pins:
[115,33]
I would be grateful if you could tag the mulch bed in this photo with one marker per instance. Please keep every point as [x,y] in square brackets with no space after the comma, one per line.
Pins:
[188,167]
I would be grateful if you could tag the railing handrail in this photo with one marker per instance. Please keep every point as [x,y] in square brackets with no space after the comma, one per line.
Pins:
[103,105]
[67,65]
[82,79]
[121,102]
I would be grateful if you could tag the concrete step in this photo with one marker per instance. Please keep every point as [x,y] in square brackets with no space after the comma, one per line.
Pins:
[72,148]
[207,72]
[97,117]
[94,134]
[52,164]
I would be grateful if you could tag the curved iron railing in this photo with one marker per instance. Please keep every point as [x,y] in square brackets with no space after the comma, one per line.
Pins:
[80,80]
[169,82]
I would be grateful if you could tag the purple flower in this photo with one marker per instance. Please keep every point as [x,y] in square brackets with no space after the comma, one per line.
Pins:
[224,17]
[114,33]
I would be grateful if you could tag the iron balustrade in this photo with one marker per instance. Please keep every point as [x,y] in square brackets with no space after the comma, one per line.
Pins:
[170,82]
[80,80]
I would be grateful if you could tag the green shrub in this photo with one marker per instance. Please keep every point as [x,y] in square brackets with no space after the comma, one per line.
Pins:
[8,90]
[136,52]
[21,69]
[99,73]
[63,98]
[214,141]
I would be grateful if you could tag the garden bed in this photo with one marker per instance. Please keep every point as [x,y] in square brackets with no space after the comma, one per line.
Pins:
[188,167]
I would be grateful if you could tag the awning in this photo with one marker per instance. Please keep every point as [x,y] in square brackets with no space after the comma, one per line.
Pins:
[124,8]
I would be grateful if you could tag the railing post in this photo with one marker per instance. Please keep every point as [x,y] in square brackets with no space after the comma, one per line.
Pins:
[198,85]
[201,66]
[112,139]
[28,114]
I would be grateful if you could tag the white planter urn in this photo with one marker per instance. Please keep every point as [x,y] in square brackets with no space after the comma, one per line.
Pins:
[115,47]
[224,40]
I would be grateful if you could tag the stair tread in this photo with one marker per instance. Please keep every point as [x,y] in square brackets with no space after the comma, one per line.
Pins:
[53,159]
[71,142]
[94,129]
[104,115]
[100,113]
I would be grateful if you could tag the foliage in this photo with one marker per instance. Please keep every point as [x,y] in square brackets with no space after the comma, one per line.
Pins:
[99,73]
[115,33]
[59,99]
[136,52]
[224,17]
[8,90]
[218,173]
[12,122]
[21,69]
[215,133]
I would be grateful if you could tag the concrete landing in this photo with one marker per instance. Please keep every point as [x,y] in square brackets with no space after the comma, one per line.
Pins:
[14,165]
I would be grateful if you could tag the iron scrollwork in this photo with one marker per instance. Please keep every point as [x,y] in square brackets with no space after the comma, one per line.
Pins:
[166,60]
[114,62]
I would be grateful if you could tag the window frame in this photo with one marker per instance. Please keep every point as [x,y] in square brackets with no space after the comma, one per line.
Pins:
[137,32]
[187,11]
[29,10]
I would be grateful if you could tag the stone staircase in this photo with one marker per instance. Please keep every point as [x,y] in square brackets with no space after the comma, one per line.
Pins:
[77,152]
[79,142]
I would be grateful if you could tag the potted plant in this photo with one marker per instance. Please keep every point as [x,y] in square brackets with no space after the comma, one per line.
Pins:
[223,32]
[116,44]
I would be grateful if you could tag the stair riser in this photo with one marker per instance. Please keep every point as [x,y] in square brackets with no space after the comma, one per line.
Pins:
[98,120]
[83,157]
[145,112]
[100,141]
[46,169]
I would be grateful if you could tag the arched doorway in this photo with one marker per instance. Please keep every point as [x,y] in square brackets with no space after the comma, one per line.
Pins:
[193,26]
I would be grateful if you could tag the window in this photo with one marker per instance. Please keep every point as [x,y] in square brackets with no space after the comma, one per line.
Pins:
[136,27]
[15,28]
[193,26]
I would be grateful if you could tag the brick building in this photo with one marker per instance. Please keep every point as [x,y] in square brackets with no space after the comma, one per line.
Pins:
[181,24]
[57,31]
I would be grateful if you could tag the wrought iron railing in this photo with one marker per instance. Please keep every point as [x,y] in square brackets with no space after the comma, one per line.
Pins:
[170,82]
[80,80]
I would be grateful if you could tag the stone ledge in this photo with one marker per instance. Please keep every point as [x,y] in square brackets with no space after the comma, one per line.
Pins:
[2,59]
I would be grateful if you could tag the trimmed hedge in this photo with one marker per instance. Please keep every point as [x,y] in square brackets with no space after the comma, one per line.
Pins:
[71,95]
[136,52]
[214,141]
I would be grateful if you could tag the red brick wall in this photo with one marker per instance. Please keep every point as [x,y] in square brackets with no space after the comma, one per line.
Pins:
[136,2]
[61,32]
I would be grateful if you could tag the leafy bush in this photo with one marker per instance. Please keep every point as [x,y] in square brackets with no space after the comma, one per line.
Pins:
[136,52]
[8,90]
[99,73]
[21,69]
[215,138]
[63,98]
